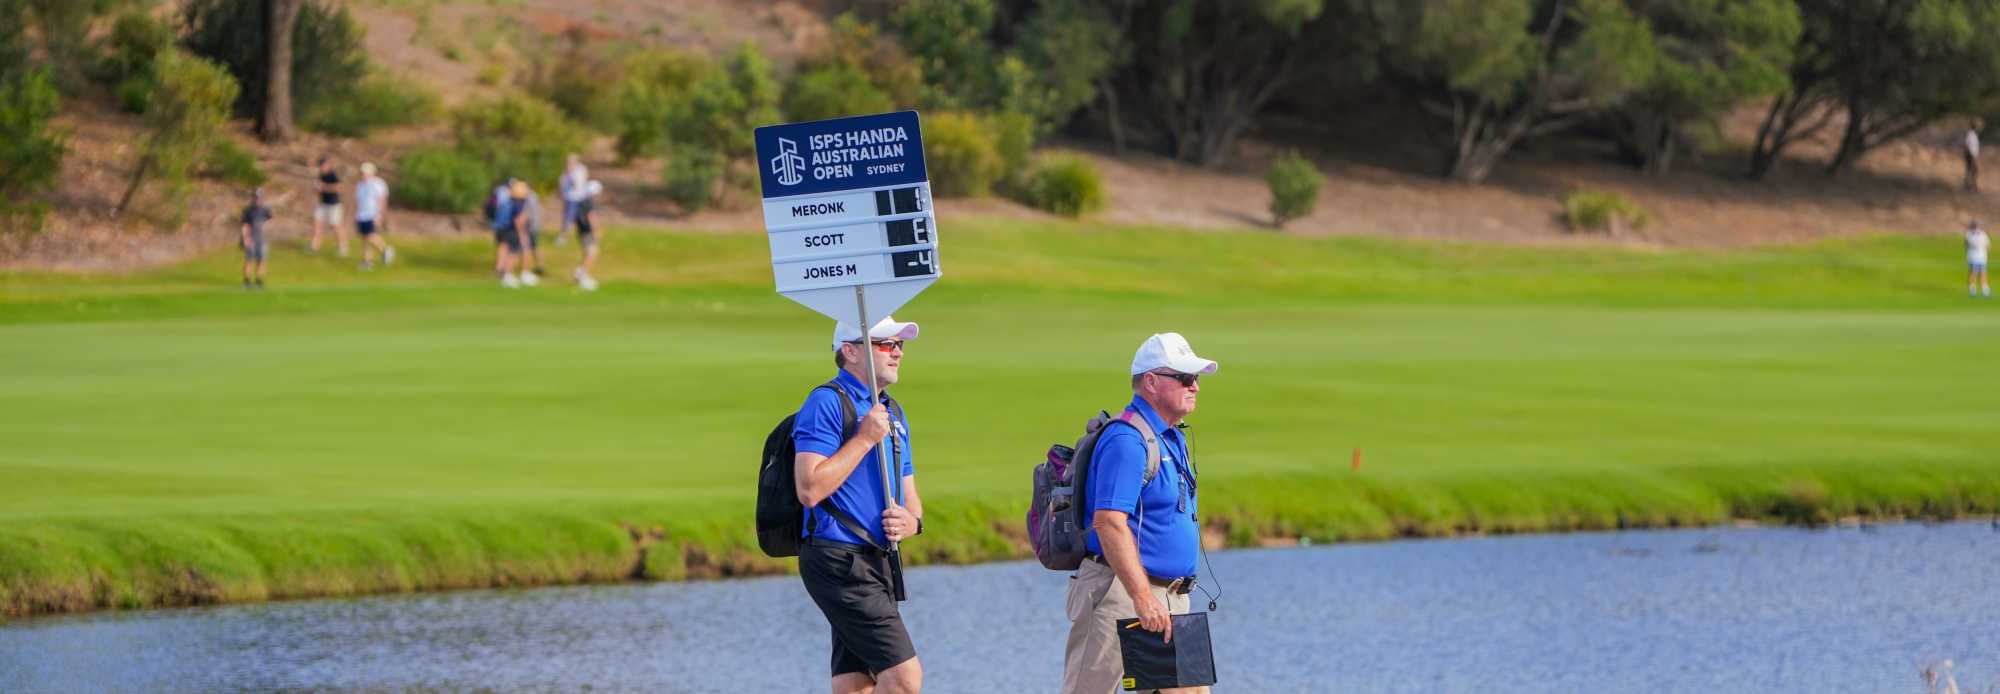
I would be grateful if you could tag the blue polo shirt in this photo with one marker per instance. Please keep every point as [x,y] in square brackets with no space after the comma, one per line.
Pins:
[1169,539]
[818,429]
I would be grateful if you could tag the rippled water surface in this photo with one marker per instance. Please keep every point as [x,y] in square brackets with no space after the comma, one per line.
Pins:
[1748,610]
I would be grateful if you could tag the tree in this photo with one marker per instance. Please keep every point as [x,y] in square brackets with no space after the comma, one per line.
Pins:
[275,122]
[31,152]
[13,37]
[724,107]
[1712,54]
[1504,71]
[1204,70]
[1889,67]
[183,118]
[327,56]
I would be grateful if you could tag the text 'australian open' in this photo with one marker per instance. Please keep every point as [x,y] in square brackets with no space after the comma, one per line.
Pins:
[835,154]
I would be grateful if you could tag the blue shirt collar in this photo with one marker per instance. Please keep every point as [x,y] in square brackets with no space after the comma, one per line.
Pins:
[854,387]
[1153,418]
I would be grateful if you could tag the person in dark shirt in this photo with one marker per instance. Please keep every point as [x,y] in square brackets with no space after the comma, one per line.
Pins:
[255,246]
[327,212]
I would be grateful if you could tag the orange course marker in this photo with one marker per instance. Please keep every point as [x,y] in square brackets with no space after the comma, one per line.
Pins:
[1357,460]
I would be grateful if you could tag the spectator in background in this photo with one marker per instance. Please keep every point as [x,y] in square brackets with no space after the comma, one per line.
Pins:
[371,199]
[575,178]
[1971,159]
[255,246]
[586,235]
[327,213]
[527,212]
[506,236]
[1976,243]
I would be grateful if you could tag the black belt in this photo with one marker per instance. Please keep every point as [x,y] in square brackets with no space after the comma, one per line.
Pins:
[869,550]
[1177,586]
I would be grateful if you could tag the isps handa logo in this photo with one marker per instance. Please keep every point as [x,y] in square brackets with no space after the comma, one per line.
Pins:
[788,165]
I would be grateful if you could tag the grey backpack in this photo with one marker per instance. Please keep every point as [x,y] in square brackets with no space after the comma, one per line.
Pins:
[1059,517]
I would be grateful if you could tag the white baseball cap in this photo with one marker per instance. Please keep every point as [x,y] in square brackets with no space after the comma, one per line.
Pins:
[1169,351]
[888,328]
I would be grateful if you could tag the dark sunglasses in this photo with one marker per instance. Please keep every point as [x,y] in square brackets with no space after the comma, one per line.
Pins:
[883,346]
[1187,380]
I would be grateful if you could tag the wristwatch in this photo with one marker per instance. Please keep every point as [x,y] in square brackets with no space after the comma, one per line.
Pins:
[920,527]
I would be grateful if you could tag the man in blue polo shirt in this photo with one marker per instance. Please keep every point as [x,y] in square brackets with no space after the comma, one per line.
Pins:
[1143,538]
[842,557]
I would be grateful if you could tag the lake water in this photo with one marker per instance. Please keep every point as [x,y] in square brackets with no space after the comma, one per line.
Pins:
[1717,610]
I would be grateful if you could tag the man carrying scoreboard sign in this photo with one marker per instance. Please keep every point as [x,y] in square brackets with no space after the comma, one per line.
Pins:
[852,234]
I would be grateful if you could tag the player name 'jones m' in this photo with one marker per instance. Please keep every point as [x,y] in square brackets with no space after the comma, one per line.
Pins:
[823,271]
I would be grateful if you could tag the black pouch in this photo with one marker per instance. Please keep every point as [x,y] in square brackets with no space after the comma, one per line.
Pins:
[1152,663]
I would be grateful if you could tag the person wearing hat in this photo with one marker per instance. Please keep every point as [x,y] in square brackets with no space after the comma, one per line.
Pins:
[371,199]
[1144,537]
[527,218]
[255,246]
[842,558]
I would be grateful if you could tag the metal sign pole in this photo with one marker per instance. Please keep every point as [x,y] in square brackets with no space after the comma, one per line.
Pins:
[875,398]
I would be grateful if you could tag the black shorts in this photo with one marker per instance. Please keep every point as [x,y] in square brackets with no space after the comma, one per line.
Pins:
[509,238]
[851,587]
[365,226]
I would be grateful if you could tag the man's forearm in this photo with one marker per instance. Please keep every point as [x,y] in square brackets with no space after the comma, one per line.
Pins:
[1121,551]
[830,472]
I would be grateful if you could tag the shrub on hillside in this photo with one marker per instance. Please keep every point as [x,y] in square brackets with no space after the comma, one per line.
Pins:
[187,112]
[1065,185]
[31,152]
[440,179]
[328,58]
[136,39]
[1586,210]
[652,84]
[833,91]
[230,162]
[579,80]
[723,109]
[1014,140]
[961,155]
[517,136]
[1295,184]
[690,177]
[379,101]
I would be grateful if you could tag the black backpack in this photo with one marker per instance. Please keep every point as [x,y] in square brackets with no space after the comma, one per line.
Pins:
[780,516]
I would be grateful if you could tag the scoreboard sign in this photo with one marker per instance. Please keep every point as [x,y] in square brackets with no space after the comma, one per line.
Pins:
[847,207]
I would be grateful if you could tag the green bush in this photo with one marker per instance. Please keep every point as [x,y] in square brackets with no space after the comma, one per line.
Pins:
[690,178]
[136,40]
[652,84]
[1586,210]
[517,136]
[379,101]
[186,114]
[1014,140]
[961,155]
[1295,184]
[579,80]
[724,108]
[31,152]
[228,161]
[440,179]
[1066,185]
[328,58]
[834,91]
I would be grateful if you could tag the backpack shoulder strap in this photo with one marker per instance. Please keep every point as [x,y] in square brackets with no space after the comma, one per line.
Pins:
[1131,418]
[849,423]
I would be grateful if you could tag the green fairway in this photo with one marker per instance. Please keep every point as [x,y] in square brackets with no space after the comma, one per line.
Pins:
[172,439]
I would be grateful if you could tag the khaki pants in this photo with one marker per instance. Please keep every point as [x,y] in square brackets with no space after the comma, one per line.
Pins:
[1091,662]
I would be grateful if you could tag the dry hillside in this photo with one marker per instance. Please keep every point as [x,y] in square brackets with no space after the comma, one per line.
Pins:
[1381,168]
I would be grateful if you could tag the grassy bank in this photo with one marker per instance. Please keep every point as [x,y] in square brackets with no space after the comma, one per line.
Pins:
[171,439]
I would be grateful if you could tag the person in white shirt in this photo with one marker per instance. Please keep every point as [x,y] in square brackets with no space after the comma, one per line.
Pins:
[371,198]
[1971,159]
[1976,243]
[575,180]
